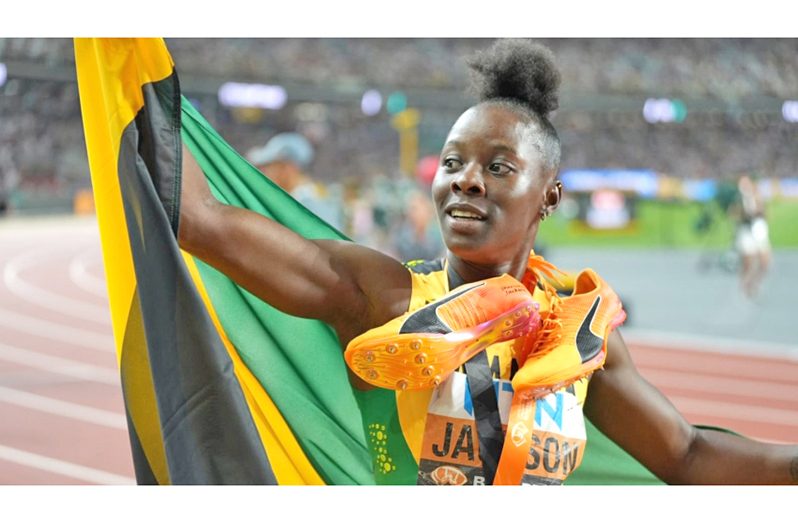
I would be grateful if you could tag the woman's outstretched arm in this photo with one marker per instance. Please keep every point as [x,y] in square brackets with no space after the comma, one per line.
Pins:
[635,415]
[351,287]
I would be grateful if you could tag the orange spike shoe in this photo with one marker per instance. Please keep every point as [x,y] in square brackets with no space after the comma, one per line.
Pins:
[419,349]
[571,344]
[572,341]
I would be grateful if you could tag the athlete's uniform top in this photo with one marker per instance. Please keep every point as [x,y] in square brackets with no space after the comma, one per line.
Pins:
[430,436]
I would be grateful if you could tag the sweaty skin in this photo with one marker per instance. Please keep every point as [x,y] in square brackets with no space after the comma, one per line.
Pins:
[489,191]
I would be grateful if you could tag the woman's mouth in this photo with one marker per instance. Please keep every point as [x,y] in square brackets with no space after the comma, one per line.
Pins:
[459,221]
[465,215]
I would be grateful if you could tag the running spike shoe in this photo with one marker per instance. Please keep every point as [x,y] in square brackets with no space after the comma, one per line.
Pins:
[572,340]
[419,349]
[571,344]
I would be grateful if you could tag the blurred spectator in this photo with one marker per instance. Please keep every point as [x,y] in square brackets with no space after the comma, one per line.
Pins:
[284,159]
[418,236]
[753,242]
[426,169]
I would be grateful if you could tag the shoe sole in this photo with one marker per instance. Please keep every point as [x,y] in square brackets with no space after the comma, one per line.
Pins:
[422,360]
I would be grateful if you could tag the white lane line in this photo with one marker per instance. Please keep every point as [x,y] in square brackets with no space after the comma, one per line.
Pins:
[63,468]
[733,411]
[44,298]
[56,332]
[67,409]
[56,365]
[81,277]
[704,383]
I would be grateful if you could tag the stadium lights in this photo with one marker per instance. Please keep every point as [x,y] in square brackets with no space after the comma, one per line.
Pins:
[234,94]
[3,74]
[664,110]
[371,103]
[789,110]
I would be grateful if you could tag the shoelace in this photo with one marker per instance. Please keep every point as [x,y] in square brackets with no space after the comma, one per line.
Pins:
[550,332]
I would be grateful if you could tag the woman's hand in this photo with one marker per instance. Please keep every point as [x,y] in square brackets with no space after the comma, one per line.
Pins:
[197,205]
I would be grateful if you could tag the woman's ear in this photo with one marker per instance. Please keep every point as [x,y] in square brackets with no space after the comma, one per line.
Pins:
[551,199]
[554,195]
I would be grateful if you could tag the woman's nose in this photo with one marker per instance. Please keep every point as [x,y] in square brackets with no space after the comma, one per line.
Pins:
[469,181]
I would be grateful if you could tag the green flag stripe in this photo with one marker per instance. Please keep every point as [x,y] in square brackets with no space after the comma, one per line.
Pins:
[287,355]
[605,463]
[297,361]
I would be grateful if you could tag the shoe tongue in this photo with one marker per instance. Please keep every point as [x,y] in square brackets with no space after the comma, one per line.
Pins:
[536,268]
[585,282]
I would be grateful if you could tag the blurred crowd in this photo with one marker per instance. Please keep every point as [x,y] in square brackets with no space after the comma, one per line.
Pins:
[723,68]
[356,157]
[720,147]
[393,215]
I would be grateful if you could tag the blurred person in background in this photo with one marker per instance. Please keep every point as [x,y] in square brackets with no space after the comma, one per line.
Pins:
[284,159]
[418,236]
[711,222]
[752,236]
[495,183]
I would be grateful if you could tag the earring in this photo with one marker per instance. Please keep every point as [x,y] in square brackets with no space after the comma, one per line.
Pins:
[545,212]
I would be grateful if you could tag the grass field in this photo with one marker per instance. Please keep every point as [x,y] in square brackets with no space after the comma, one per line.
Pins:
[658,224]
[671,224]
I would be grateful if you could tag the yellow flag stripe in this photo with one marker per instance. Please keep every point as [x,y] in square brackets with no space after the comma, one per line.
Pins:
[288,460]
[140,400]
[110,75]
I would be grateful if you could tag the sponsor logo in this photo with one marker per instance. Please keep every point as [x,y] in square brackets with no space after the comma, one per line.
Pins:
[427,318]
[518,434]
[447,475]
[587,343]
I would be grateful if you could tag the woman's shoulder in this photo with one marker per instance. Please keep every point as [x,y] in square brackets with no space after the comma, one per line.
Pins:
[429,281]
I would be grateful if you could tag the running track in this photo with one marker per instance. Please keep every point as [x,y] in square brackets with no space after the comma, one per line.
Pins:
[61,411]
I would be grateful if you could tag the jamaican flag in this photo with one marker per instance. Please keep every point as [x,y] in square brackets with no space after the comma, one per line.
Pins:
[220,387]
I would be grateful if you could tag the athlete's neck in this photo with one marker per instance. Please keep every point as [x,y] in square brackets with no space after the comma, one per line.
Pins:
[471,272]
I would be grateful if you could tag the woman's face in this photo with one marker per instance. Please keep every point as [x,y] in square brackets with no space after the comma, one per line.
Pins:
[490,186]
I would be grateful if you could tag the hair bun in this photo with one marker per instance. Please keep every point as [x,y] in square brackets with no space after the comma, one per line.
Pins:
[518,70]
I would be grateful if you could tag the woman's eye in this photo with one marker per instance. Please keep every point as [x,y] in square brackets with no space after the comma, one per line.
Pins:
[452,163]
[499,169]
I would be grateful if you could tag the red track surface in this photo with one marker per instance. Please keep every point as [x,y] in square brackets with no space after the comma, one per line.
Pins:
[61,411]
